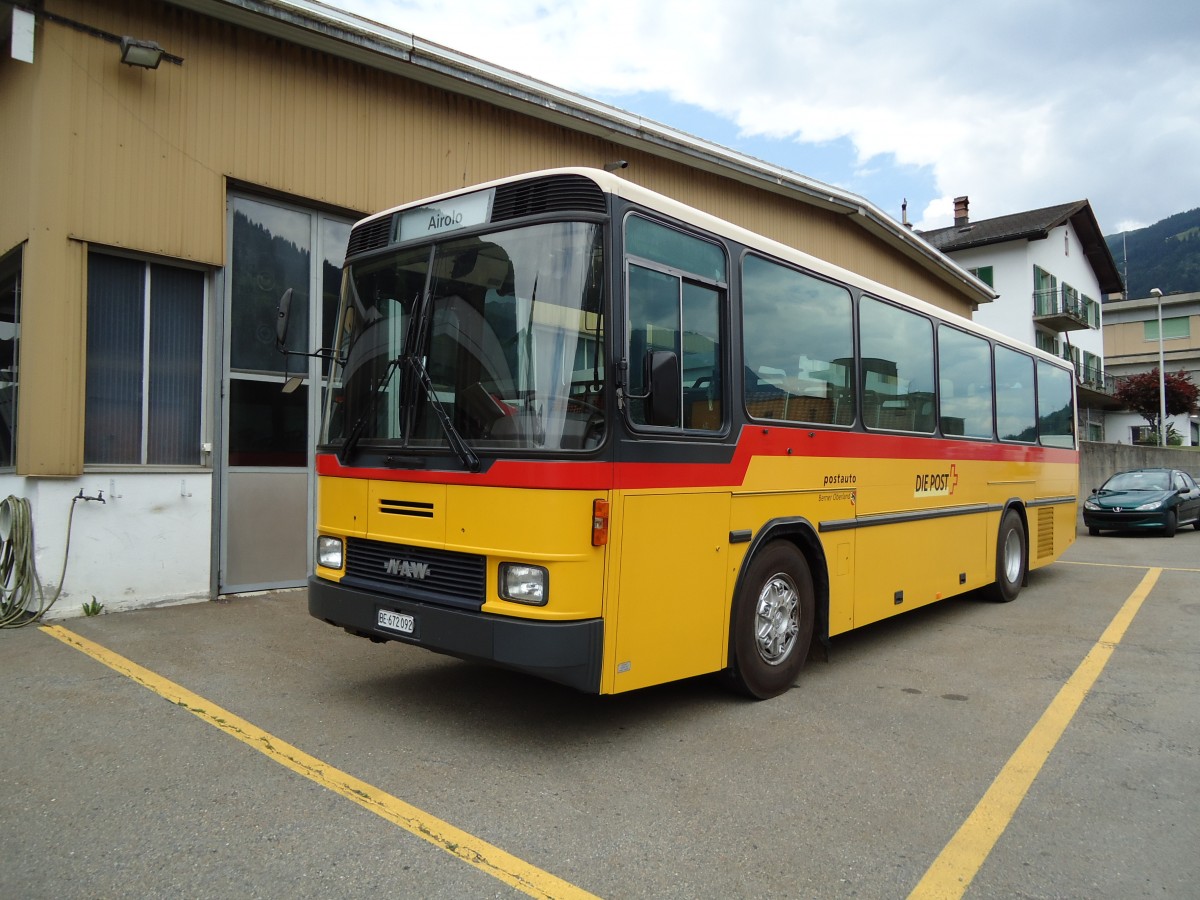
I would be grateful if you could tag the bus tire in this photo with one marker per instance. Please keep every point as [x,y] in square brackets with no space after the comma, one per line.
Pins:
[773,617]
[1012,558]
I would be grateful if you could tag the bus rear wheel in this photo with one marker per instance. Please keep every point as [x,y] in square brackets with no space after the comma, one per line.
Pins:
[1011,558]
[772,624]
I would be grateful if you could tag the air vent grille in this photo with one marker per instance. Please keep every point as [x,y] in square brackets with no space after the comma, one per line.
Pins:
[1045,546]
[406,508]
[370,236]
[554,193]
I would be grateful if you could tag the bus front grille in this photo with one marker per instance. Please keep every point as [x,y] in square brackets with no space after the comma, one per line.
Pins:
[443,577]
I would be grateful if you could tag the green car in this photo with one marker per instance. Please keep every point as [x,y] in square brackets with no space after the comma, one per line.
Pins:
[1144,498]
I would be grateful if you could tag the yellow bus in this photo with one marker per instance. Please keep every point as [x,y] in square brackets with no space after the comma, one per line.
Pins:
[580,430]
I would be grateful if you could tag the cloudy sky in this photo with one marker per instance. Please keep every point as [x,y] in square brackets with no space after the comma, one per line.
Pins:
[1018,104]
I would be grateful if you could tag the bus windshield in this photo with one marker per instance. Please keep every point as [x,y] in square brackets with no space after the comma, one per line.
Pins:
[489,342]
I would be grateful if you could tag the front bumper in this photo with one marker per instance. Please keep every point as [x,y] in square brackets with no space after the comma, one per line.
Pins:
[569,653]
[1126,521]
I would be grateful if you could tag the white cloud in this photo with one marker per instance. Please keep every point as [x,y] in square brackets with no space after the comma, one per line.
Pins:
[1020,105]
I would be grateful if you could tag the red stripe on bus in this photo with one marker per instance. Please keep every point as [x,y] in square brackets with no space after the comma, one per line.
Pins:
[589,475]
[756,441]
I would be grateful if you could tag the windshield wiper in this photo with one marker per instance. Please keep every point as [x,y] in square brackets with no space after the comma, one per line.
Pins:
[469,460]
[360,425]
[460,447]
[411,358]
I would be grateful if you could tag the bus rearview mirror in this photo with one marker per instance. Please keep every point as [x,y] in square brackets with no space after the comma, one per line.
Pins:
[663,380]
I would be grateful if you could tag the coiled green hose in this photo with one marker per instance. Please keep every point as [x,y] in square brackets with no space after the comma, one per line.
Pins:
[22,600]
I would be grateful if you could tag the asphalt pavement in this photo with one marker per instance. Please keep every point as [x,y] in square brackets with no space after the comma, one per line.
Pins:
[240,748]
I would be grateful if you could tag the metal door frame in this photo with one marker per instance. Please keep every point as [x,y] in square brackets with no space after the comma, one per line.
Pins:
[310,368]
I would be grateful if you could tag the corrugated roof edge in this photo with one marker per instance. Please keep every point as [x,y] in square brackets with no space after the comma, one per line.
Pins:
[318,26]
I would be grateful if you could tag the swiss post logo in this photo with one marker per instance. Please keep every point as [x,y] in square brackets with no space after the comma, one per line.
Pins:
[937,484]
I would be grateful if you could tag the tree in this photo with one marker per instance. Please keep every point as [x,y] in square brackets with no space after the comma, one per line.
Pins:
[1140,393]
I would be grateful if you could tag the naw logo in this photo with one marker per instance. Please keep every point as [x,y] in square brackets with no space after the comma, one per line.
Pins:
[937,484]
[404,568]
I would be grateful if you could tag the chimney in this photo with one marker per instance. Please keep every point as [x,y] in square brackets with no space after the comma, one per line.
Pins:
[960,212]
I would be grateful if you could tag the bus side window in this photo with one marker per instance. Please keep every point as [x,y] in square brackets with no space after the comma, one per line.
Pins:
[1016,408]
[1056,422]
[797,343]
[965,367]
[677,313]
[897,367]
[701,361]
[654,324]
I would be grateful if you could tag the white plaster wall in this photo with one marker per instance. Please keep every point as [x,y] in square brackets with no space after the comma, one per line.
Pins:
[1012,277]
[1012,273]
[1066,260]
[1117,425]
[145,545]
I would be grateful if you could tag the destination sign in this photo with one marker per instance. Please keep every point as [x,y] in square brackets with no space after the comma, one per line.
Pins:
[445,215]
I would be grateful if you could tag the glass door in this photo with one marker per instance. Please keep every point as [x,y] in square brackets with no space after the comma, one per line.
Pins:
[266,489]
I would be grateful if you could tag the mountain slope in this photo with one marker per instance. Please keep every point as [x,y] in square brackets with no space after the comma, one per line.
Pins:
[1165,255]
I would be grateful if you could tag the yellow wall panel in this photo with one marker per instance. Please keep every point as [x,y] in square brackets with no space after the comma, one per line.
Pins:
[17,85]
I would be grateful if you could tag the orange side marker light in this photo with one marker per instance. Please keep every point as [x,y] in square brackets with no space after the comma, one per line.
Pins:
[599,523]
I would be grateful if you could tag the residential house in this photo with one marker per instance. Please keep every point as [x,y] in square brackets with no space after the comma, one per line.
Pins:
[1131,345]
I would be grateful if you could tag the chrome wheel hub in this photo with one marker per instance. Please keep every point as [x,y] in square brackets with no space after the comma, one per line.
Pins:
[777,619]
[1012,557]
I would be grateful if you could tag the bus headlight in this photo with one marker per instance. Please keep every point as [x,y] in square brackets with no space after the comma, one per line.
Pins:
[524,584]
[329,552]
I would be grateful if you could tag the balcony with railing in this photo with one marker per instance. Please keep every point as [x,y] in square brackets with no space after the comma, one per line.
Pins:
[1093,378]
[1095,389]
[1062,310]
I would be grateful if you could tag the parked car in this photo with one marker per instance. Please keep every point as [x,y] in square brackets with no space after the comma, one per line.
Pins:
[1144,498]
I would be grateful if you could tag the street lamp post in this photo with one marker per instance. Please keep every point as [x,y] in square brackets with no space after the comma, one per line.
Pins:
[1162,375]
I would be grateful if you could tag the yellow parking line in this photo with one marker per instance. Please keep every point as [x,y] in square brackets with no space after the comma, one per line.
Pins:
[484,856]
[1076,562]
[962,858]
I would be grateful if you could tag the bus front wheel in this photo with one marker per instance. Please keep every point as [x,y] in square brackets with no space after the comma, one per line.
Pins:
[772,623]
[1011,558]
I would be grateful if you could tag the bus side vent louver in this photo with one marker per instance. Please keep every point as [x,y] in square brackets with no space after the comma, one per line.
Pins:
[370,236]
[1045,545]
[554,193]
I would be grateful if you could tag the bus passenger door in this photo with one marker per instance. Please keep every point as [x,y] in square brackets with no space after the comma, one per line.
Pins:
[671,601]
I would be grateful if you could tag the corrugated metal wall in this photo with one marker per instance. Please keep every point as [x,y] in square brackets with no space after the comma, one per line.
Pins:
[139,159]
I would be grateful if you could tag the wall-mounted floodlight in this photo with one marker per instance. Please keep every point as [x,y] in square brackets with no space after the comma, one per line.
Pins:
[143,54]
[613,166]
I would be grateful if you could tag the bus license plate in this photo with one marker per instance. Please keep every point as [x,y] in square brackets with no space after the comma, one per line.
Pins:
[394,621]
